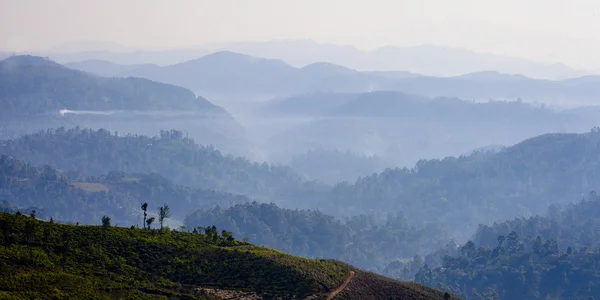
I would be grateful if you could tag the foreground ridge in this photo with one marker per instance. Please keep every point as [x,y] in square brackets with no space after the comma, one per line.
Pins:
[46,260]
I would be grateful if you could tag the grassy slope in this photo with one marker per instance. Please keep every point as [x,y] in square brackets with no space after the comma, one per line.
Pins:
[42,260]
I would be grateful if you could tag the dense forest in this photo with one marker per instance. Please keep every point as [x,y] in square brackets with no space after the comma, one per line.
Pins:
[47,260]
[457,192]
[462,192]
[552,256]
[86,152]
[52,194]
[360,240]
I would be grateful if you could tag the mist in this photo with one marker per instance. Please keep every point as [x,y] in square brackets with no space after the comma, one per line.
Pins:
[446,144]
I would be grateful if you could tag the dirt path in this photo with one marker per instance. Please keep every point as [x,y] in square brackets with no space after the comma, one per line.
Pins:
[341,287]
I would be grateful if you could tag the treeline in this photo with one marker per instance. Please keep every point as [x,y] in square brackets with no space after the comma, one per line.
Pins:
[360,240]
[86,152]
[556,256]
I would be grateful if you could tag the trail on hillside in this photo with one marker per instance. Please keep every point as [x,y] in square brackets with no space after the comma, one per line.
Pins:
[341,287]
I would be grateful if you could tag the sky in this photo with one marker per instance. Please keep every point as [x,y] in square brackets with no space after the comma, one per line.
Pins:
[549,31]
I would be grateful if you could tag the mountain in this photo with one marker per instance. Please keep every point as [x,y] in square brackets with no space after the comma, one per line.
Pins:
[425,59]
[49,260]
[86,152]
[261,79]
[221,71]
[37,93]
[125,56]
[38,85]
[403,128]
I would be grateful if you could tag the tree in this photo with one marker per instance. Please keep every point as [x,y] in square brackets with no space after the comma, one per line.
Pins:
[469,249]
[228,236]
[105,222]
[163,213]
[149,221]
[513,244]
[32,214]
[145,208]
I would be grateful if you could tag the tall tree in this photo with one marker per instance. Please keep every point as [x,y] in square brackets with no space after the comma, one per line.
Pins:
[105,222]
[145,208]
[163,213]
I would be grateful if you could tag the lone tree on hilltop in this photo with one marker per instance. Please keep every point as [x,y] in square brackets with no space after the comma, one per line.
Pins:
[164,212]
[145,208]
[105,222]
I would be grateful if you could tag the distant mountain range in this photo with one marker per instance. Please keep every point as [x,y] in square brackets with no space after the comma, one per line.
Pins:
[426,59]
[229,75]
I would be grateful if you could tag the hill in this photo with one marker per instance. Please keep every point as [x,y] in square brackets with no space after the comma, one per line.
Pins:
[219,72]
[361,240]
[37,85]
[403,128]
[86,152]
[49,260]
[37,93]
[462,192]
[52,194]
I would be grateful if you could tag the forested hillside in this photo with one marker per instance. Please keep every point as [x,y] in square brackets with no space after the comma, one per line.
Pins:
[48,260]
[360,240]
[550,256]
[85,152]
[52,194]
[461,192]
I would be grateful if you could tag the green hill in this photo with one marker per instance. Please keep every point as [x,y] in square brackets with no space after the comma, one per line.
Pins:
[45,260]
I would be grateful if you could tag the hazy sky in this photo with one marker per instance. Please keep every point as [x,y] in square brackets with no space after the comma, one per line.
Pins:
[544,30]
